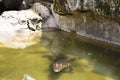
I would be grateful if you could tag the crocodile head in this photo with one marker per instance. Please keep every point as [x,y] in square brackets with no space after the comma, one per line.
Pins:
[60,64]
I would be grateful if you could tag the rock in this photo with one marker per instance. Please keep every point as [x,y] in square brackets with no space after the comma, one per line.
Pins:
[14,29]
[108,8]
[42,10]
[29,3]
[60,8]
[10,5]
[28,77]
[45,13]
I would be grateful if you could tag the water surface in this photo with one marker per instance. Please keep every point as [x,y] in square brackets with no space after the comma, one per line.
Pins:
[92,61]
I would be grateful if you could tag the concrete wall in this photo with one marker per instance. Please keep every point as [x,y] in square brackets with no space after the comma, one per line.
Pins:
[92,26]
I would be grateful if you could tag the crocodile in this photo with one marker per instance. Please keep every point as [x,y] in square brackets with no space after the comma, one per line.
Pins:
[61,62]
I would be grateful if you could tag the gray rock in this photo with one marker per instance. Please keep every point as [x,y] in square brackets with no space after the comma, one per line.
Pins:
[29,3]
[108,8]
[45,13]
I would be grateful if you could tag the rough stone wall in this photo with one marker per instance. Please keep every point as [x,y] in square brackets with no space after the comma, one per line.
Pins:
[108,8]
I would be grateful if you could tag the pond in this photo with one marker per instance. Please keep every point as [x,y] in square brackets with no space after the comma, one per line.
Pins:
[93,62]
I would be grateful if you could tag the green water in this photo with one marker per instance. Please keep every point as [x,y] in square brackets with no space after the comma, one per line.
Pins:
[92,62]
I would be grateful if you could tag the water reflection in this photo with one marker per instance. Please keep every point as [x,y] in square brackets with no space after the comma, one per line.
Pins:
[92,62]
[91,58]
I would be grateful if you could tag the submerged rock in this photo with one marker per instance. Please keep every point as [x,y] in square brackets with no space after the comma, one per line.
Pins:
[14,30]
[28,77]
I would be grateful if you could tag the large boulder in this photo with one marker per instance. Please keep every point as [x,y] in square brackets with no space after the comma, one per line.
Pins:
[18,29]
[42,8]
